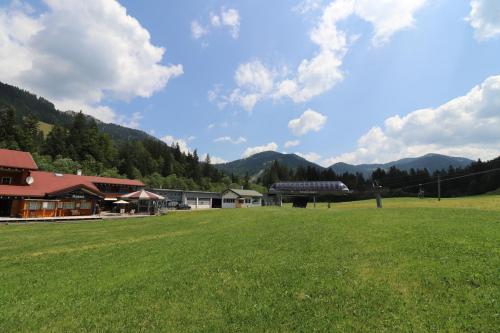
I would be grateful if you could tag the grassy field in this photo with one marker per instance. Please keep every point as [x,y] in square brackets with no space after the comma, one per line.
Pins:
[45,128]
[416,265]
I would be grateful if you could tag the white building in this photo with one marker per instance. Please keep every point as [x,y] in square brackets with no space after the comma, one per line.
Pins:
[232,198]
[195,199]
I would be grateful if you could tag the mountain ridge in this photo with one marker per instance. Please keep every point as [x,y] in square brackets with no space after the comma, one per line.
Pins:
[257,163]
[430,161]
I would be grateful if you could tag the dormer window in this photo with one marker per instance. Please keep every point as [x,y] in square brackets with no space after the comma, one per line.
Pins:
[6,180]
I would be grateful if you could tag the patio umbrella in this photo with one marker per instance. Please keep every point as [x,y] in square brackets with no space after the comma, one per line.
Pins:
[143,195]
[120,202]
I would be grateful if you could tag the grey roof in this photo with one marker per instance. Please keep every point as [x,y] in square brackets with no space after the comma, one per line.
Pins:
[309,187]
[245,193]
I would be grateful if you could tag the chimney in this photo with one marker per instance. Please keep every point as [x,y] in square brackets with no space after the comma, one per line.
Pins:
[78,172]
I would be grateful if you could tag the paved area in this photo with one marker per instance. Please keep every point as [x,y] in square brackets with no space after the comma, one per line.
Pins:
[46,219]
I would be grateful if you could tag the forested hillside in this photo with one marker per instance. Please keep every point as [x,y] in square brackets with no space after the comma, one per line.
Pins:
[27,104]
[76,141]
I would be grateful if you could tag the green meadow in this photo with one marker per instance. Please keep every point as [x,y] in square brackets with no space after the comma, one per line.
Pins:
[413,266]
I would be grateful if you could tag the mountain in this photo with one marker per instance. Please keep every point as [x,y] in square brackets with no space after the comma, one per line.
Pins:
[257,163]
[28,104]
[432,162]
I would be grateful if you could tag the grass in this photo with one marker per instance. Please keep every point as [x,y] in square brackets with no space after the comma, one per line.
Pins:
[416,265]
[45,128]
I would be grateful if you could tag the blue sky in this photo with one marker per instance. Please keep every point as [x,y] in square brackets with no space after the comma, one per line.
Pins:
[230,80]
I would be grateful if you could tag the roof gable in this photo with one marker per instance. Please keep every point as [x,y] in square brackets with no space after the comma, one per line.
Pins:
[17,160]
[245,193]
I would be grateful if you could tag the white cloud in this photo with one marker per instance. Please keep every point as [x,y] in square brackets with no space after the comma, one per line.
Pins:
[292,143]
[272,146]
[229,139]
[217,160]
[311,157]
[466,126]
[246,100]
[308,121]
[306,6]
[197,30]
[213,159]
[255,77]
[171,141]
[226,18]
[387,17]
[485,18]
[79,52]
[132,122]
[231,19]
[320,73]
[215,19]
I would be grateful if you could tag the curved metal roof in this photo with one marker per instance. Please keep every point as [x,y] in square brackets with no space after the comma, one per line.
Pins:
[325,187]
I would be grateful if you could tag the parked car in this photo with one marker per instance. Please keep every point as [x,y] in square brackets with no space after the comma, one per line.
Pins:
[183,207]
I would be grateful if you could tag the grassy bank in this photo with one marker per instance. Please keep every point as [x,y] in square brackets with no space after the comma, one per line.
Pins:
[416,265]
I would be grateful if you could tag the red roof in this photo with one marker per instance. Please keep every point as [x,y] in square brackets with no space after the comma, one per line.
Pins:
[17,160]
[48,183]
[113,181]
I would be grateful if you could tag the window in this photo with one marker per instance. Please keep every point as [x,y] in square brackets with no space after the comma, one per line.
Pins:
[204,202]
[6,180]
[248,200]
[86,205]
[228,200]
[69,205]
[33,205]
[49,205]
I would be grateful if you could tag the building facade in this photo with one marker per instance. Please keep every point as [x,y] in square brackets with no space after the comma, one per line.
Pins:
[195,199]
[27,192]
[233,198]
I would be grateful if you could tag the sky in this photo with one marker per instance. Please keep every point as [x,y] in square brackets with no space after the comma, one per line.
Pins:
[357,81]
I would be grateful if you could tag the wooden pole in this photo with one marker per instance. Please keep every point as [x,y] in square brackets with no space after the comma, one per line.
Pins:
[378,196]
[314,198]
[379,199]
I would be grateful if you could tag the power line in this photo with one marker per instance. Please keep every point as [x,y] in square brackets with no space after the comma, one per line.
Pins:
[457,177]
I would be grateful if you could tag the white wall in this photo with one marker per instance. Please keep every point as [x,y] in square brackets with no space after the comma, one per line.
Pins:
[199,202]
[234,196]
[229,195]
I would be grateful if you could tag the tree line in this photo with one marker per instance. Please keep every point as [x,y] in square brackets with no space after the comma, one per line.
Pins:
[396,182]
[81,145]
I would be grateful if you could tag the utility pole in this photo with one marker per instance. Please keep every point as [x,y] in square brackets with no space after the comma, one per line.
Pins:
[439,187]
